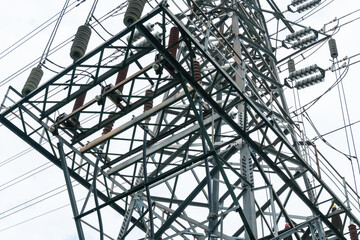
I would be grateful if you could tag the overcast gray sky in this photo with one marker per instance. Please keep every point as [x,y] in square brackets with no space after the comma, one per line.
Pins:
[18,18]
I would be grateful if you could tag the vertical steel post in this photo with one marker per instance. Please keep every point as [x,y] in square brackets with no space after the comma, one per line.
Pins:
[245,157]
[69,187]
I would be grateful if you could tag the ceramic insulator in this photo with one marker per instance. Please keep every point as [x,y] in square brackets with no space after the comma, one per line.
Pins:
[291,65]
[80,43]
[134,11]
[333,48]
[33,81]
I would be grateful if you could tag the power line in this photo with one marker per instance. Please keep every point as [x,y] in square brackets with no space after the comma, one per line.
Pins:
[53,33]
[16,180]
[27,205]
[55,49]
[335,130]
[33,33]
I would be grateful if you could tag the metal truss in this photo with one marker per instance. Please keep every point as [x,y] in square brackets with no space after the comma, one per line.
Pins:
[213,156]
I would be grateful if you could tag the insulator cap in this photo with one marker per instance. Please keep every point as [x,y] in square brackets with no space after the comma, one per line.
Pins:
[133,12]
[80,43]
[291,65]
[33,81]
[333,48]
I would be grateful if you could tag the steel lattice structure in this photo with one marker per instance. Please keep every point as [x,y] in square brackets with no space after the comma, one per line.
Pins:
[222,155]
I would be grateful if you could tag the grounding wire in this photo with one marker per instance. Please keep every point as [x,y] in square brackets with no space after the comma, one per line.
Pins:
[40,215]
[307,117]
[53,33]
[351,132]
[30,203]
[34,198]
[346,132]
[91,12]
[16,180]
[335,130]
[33,218]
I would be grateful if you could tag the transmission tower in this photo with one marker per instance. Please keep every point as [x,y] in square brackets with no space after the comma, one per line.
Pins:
[180,125]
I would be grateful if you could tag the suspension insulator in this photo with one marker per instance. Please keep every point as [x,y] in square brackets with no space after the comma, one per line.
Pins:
[149,104]
[197,72]
[133,12]
[291,65]
[333,48]
[121,76]
[80,43]
[173,38]
[79,102]
[353,232]
[33,81]
[336,220]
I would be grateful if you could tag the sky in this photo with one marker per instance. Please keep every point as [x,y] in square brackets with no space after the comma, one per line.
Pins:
[17,162]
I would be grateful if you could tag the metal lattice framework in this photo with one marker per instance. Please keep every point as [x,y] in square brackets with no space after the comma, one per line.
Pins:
[222,155]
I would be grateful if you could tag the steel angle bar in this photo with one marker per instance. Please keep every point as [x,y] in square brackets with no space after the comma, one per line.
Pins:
[83,60]
[285,233]
[192,221]
[113,118]
[231,123]
[189,199]
[130,123]
[70,190]
[57,162]
[76,152]
[151,181]
[279,15]
[277,199]
[153,149]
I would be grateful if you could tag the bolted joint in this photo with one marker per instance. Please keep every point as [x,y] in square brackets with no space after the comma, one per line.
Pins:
[54,130]
[100,100]
[212,215]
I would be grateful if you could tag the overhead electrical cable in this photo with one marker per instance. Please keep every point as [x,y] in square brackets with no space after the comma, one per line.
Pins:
[34,32]
[307,117]
[348,121]
[335,130]
[312,102]
[53,50]
[25,176]
[34,201]
[53,33]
